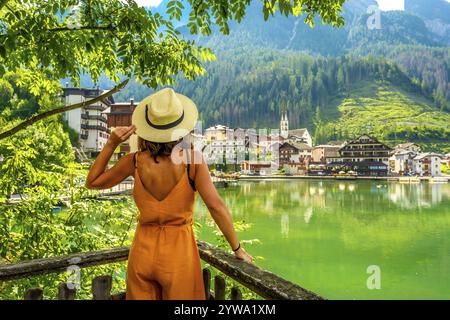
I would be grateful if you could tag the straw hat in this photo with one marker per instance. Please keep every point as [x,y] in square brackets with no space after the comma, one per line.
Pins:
[165,116]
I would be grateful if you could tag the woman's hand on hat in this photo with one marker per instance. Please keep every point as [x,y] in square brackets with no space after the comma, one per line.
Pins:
[121,134]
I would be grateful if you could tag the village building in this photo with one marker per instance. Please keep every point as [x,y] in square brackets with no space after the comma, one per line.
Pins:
[300,136]
[259,167]
[401,162]
[427,164]
[89,122]
[119,115]
[218,133]
[325,153]
[224,145]
[365,148]
[296,135]
[295,157]
[364,155]
[408,146]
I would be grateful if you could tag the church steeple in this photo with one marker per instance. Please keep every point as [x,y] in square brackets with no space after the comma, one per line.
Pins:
[284,125]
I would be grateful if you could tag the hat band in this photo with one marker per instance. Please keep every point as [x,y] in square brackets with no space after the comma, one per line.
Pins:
[163,126]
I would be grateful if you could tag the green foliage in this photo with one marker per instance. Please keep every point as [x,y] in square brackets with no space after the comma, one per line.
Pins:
[427,66]
[69,37]
[390,113]
[30,231]
[38,167]
[31,156]
[445,169]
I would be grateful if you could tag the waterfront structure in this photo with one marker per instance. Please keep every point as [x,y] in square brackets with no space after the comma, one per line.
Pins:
[401,162]
[364,155]
[89,122]
[325,153]
[427,164]
[259,167]
[365,148]
[119,115]
[295,157]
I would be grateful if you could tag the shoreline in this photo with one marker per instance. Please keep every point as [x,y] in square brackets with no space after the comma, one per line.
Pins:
[393,179]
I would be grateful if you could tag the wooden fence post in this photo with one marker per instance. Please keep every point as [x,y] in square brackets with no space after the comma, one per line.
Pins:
[236,294]
[66,293]
[34,294]
[101,288]
[207,284]
[219,288]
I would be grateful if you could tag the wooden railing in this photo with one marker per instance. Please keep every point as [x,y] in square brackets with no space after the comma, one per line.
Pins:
[262,282]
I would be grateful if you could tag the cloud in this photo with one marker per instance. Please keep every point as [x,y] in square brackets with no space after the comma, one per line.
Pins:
[387,5]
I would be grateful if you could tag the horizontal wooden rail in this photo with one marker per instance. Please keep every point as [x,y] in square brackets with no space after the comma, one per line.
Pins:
[262,282]
[57,264]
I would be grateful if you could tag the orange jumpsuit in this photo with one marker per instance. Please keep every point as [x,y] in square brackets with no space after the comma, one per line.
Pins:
[164,262]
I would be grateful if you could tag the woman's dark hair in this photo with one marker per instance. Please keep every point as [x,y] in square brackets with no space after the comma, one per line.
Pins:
[158,149]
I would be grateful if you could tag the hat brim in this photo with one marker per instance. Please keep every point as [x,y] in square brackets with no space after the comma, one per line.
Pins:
[149,133]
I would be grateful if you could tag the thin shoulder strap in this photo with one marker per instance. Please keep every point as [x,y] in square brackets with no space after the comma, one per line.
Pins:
[134,159]
[191,181]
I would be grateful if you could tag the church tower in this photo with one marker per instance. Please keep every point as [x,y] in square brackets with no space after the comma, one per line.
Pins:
[284,125]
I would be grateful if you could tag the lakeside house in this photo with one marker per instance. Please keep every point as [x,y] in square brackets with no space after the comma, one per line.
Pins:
[259,167]
[295,157]
[407,159]
[427,164]
[89,122]
[364,155]
[325,153]
[401,162]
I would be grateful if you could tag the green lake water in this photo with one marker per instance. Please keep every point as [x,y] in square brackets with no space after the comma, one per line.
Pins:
[324,235]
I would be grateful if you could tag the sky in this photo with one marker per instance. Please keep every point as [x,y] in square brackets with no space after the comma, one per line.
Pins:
[385,5]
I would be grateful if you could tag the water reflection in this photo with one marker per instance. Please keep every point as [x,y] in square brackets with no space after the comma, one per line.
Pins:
[318,194]
[324,234]
[285,225]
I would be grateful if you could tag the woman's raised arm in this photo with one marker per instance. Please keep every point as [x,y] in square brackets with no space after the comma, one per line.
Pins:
[100,178]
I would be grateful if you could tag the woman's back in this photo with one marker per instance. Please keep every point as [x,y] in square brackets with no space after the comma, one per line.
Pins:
[162,190]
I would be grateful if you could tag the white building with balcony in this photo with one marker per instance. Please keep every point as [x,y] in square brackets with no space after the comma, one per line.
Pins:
[427,164]
[89,122]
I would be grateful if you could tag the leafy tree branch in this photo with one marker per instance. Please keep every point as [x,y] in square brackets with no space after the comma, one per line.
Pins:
[49,113]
